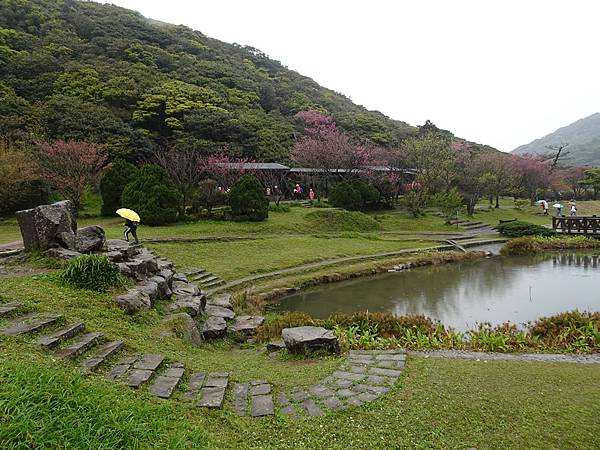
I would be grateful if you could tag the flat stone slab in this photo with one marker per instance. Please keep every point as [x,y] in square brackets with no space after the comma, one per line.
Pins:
[216,382]
[240,398]
[29,323]
[262,405]
[138,377]
[222,300]
[218,311]
[379,390]
[7,308]
[174,372]
[194,384]
[345,393]
[212,397]
[118,371]
[351,376]
[384,372]
[106,351]
[311,408]
[390,364]
[63,334]
[149,362]
[260,389]
[321,391]
[246,325]
[300,395]
[164,386]
[86,342]
[334,403]
[391,357]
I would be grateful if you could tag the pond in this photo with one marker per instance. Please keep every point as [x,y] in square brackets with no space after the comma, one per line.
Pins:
[460,295]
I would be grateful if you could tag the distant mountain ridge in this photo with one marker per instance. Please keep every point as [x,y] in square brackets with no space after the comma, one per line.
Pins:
[583,137]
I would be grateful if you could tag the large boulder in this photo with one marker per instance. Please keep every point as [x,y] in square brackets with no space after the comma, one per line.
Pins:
[222,300]
[190,304]
[182,326]
[308,339]
[41,225]
[134,300]
[86,240]
[245,325]
[219,311]
[164,290]
[214,328]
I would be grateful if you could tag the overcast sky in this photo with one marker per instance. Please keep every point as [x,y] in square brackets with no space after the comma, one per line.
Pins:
[500,72]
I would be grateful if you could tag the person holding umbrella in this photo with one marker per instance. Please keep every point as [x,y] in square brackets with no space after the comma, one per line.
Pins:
[132,219]
[558,207]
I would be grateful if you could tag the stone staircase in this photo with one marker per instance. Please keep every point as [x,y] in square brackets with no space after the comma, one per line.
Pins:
[362,377]
[204,279]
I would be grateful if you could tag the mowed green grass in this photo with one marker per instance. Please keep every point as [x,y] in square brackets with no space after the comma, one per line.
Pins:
[437,404]
[236,259]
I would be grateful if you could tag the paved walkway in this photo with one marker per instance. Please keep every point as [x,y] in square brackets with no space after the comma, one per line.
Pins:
[531,357]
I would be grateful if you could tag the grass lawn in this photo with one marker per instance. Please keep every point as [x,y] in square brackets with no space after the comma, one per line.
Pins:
[436,404]
[244,258]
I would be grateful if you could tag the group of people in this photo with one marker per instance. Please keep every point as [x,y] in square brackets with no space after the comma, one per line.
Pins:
[558,206]
[298,193]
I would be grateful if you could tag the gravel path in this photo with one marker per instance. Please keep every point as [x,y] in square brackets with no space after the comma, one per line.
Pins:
[531,357]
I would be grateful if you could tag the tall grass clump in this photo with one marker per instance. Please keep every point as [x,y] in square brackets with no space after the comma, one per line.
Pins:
[531,245]
[92,272]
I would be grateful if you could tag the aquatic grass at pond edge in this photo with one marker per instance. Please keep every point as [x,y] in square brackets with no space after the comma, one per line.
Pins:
[569,332]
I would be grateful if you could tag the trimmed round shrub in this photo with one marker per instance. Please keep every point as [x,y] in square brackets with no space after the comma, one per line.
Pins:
[112,184]
[345,195]
[518,228]
[152,196]
[354,196]
[93,272]
[247,199]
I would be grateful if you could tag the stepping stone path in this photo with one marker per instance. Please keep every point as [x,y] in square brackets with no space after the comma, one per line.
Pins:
[362,377]
[204,278]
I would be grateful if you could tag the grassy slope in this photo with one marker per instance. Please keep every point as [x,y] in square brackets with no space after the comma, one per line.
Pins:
[436,404]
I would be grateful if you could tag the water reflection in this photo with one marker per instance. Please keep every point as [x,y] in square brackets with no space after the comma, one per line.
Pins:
[495,290]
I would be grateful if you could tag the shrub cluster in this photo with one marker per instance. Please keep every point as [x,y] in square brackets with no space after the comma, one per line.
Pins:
[355,196]
[519,228]
[112,184]
[247,200]
[93,272]
[152,195]
[531,245]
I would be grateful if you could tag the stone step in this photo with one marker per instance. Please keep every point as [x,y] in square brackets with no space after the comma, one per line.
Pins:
[106,351]
[86,342]
[149,362]
[200,276]
[207,279]
[261,399]
[63,334]
[144,369]
[29,323]
[213,283]
[195,272]
[122,366]
[8,308]
[194,384]
[165,384]
[213,393]
[240,398]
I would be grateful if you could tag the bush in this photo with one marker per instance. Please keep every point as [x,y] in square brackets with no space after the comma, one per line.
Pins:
[112,184]
[519,228]
[93,272]
[247,199]
[354,196]
[530,245]
[152,195]
[525,245]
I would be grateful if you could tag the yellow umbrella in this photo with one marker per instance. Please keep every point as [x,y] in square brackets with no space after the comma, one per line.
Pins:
[128,214]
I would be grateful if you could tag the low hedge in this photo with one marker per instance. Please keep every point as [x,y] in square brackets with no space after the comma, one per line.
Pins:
[519,228]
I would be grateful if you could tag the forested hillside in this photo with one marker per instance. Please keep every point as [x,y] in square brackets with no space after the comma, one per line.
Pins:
[101,73]
[583,137]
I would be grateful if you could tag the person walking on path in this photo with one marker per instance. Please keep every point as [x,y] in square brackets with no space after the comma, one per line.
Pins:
[311,195]
[573,210]
[545,207]
[131,228]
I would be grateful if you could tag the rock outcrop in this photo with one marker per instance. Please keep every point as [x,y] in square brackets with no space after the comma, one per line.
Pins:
[308,339]
[41,226]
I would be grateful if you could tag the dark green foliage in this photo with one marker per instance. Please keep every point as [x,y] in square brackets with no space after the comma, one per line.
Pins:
[518,229]
[93,272]
[354,196]
[26,195]
[208,196]
[100,73]
[247,199]
[112,184]
[152,195]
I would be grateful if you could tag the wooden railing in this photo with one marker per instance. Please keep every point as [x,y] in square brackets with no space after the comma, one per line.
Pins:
[577,225]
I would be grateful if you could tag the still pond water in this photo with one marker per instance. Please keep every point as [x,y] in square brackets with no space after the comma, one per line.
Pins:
[495,290]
